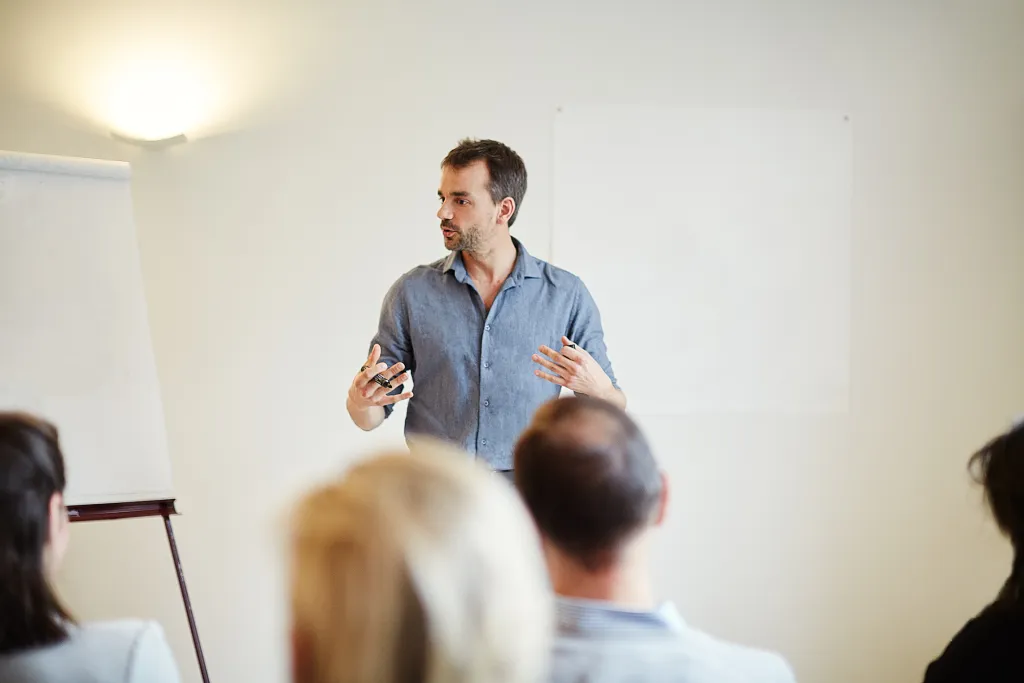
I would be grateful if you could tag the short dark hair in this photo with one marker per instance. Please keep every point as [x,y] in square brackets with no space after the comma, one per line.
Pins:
[31,471]
[505,167]
[587,475]
[999,468]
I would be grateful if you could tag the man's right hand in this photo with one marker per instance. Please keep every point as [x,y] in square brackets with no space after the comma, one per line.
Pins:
[366,398]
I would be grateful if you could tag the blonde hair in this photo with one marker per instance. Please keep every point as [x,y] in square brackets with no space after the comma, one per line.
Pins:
[418,567]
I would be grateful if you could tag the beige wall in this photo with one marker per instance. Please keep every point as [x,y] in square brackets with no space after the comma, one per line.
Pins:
[854,545]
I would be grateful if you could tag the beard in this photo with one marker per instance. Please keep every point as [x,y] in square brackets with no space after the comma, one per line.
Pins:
[462,240]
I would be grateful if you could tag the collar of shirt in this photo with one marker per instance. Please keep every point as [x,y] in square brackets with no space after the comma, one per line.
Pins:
[526,266]
[582,617]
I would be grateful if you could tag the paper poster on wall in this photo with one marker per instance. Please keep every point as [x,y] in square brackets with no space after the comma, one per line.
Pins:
[717,246]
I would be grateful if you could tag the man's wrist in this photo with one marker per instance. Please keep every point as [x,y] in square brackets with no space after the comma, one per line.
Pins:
[610,393]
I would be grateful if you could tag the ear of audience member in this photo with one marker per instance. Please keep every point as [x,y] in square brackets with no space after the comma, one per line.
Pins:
[418,567]
[39,640]
[990,647]
[588,476]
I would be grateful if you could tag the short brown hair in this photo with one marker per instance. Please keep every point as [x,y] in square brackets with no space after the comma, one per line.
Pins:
[505,167]
[587,475]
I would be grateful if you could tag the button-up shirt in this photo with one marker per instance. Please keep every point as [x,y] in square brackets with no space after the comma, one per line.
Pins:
[601,642]
[472,369]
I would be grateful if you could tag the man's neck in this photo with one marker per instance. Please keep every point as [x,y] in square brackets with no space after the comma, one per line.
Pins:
[626,583]
[493,262]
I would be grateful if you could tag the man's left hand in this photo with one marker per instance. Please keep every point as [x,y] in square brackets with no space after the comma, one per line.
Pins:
[575,369]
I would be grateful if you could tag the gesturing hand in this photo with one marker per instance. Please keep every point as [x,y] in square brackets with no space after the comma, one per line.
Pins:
[574,369]
[365,393]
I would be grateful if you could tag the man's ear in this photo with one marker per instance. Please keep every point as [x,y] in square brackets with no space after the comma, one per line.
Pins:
[663,502]
[506,209]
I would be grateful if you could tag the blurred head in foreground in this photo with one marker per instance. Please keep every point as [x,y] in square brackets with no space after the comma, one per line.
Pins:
[999,468]
[417,568]
[33,533]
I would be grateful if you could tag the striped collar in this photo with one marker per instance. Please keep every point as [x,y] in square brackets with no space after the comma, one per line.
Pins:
[579,617]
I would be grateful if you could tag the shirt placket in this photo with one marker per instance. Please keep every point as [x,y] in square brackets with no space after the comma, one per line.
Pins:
[486,440]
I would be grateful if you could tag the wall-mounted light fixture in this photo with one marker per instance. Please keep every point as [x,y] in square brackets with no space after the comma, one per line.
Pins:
[153,144]
[155,102]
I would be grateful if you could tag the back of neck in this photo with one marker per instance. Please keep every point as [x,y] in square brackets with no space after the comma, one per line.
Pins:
[625,583]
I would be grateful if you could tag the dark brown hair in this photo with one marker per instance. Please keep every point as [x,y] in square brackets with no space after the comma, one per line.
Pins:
[31,471]
[505,167]
[999,468]
[587,475]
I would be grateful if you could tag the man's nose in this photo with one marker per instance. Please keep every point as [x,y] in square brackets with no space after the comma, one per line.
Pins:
[445,212]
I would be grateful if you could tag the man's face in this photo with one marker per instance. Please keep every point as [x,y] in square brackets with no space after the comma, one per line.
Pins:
[468,214]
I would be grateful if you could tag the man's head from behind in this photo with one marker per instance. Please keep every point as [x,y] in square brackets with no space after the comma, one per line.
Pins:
[587,475]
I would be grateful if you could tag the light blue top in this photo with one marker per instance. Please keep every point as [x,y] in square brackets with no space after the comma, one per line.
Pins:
[473,369]
[104,652]
[600,642]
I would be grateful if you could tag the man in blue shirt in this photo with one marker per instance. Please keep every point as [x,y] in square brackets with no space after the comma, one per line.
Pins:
[489,333]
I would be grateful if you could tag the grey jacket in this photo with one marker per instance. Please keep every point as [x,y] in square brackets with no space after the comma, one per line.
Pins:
[106,652]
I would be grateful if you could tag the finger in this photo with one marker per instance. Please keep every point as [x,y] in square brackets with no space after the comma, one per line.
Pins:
[399,379]
[551,378]
[365,378]
[373,391]
[390,378]
[571,366]
[393,370]
[373,370]
[557,369]
[389,400]
[374,355]
[571,349]
[393,382]
[553,355]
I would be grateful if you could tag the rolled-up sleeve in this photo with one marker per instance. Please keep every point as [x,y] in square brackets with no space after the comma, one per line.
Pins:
[393,335]
[586,331]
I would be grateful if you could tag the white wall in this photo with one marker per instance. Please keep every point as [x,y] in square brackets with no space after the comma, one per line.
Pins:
[853,545]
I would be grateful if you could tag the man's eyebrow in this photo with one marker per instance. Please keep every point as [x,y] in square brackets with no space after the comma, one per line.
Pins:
[459,193]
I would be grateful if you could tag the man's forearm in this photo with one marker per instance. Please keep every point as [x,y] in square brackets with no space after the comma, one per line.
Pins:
[366,419]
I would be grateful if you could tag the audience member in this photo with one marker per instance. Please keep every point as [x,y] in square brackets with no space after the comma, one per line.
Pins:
[990,647]
[418,568]
[39,641]
[589,479]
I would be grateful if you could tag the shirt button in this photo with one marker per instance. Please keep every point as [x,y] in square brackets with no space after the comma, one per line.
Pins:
[487,363]
[487,403]
[483,442]
[487,327]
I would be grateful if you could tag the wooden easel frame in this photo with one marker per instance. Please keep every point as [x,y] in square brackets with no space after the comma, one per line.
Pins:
[148,508]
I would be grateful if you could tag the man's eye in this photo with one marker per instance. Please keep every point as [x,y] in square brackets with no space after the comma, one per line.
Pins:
[462,201]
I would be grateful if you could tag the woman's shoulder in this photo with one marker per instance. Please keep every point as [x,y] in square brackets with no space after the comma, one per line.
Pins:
[117,633]
[119,651]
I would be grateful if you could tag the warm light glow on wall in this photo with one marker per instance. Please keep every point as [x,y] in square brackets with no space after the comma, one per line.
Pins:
[151,71]
[150,99]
